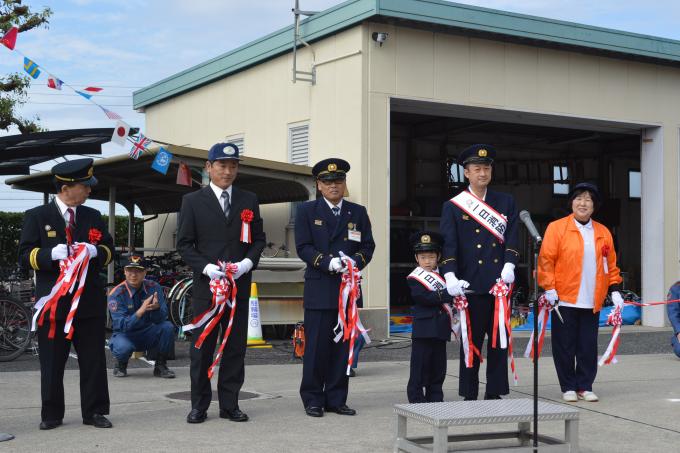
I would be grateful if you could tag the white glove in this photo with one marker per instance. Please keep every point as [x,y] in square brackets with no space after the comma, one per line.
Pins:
[454,286]
[91,249]
[344,265]
[59,252]
[551,296]
[244,266]
[617,299]
[335,265]
[213,271]
[508,273]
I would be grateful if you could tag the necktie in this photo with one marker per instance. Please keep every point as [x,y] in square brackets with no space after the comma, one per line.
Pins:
[336,211]
[71,226]
[225,202]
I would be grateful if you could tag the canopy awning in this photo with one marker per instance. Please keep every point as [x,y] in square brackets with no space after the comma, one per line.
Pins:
[136,183]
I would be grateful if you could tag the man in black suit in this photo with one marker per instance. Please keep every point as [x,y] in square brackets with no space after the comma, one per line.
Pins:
[47,237]
[324,229]
[480,246]
[209,229]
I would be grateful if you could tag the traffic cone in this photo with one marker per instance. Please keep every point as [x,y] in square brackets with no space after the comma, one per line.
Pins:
[254,325]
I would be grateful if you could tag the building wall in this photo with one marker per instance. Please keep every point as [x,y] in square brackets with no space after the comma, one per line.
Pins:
[423,65]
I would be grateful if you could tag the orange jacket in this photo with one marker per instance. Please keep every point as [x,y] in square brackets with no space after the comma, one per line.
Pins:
[561,257]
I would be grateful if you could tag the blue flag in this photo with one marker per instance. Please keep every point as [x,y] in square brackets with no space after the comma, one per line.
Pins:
[31,68]
[162,161]
[85,95]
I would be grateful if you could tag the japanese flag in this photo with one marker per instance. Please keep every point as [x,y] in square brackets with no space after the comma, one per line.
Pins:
[120,133]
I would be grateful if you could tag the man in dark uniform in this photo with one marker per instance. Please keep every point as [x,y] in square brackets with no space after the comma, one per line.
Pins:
[44,243]
[139,316]
[209,230]
[432,318]
[324,229]
[480,246]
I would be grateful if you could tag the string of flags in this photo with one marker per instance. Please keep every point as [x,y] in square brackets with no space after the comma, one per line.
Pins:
[120,136]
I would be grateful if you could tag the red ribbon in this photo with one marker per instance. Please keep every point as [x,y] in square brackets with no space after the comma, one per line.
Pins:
[614,319]
[469,348]
[246,217]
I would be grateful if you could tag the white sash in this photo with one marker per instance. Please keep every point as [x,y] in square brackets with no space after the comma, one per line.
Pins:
[495,222]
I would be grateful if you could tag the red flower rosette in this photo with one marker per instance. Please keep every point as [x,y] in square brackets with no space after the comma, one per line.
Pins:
[246,217]
[605,254]
[94,236]
[605,250]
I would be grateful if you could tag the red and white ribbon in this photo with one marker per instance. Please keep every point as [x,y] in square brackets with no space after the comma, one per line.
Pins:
[224,295]
[469,348]
[500,291]
[349,325]
[544,308]
[454,321]
[614,319]
[72,270]
[246,217]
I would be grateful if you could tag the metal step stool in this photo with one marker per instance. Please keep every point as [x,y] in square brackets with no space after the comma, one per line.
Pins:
[464,413]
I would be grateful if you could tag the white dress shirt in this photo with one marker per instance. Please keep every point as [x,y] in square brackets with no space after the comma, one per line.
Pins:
[63,208]
[331,205]
[218,193]
[586,289]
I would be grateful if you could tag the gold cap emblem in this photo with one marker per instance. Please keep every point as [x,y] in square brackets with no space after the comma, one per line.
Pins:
[425,239]
[332,167]
[482,153]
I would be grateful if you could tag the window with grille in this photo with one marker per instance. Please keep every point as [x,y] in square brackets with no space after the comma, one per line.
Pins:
[237,140]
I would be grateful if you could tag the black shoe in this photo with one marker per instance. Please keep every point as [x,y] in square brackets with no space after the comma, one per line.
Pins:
[470,398]
[341,410]
[352,373]
[314,411]
[196,416]
[161,370]
[120,369]
[98,421]
[49,424]
[491,397]
[235,415]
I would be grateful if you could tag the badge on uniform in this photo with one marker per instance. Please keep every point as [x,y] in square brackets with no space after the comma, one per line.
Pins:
[354,235]
[465,217]
[52,234]
[318,222]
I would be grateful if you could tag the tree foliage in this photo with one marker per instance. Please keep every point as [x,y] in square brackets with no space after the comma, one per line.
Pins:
[13,86]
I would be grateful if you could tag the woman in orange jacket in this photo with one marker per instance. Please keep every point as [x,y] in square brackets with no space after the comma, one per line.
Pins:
[577,267]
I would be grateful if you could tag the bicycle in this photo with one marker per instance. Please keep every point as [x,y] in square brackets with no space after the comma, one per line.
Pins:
[15,318]
[179,303]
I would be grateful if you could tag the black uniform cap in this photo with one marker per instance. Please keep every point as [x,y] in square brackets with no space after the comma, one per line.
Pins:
[75,171]
[135,262]
[426,241]
[332,169]
[477,154]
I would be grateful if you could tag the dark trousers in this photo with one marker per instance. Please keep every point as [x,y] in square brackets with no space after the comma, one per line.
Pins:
[428,371]
[324,366]
[574,347]
[154,336]
[481,308]
[88,341]
[232,371]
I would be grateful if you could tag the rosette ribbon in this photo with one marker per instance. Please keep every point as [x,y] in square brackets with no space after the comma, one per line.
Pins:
[469,348]
[614,319]
[246,217]
[544,308]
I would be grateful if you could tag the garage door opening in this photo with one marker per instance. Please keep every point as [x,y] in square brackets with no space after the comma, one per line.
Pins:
[536,163]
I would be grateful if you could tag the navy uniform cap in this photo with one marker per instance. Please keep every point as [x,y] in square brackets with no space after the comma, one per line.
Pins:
[590,187]
[220,151]
[135,262]
[75,171]
[331,169]
[426,241]
[477,154]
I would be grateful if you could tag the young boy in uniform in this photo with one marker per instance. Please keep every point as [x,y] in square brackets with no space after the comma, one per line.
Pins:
[432,321]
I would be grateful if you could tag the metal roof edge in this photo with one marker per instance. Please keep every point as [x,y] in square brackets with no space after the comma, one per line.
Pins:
[314,27]
[436,12]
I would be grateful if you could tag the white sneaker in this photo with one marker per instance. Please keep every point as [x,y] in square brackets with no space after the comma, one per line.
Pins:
[570,396]
[588,396]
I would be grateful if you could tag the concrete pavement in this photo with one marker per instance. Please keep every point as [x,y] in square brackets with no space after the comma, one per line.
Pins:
[639,411]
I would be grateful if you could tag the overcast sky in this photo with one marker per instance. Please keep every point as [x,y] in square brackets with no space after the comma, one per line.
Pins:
[125,45]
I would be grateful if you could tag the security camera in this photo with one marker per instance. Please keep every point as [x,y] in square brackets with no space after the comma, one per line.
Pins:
[380,37]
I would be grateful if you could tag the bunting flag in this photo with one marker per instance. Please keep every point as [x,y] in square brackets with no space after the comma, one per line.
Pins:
[183,175]
[54,83]
[110,114]
[92,89]
[139,146]
[31,68]
[85,95]
[10,38]
[120,133]
[162,161]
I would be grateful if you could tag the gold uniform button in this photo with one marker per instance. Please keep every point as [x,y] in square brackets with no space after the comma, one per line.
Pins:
[477,231]
[480,262]
[493,245]
[479,246]
[495,260]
